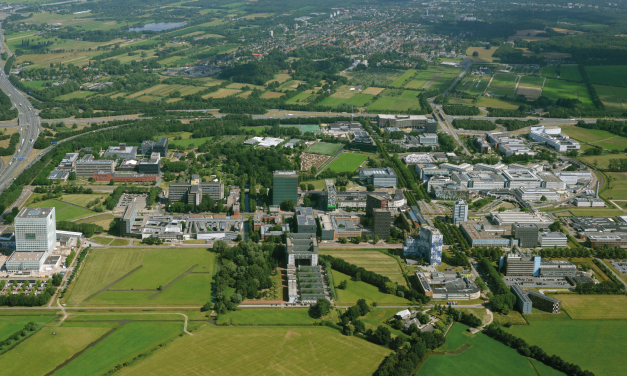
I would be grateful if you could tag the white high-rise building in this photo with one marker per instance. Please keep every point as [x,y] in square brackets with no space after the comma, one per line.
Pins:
[427,246]
[35,239]
[460,212]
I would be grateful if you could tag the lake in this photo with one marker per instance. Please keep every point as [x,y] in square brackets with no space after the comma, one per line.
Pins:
[159,26]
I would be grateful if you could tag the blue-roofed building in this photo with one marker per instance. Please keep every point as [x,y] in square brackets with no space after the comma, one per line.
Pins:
[304,220]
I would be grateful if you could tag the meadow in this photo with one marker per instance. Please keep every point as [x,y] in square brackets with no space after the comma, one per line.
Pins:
[503,84]
[267,317]
[323,148]
[485,56]
[599,161]
[347,162]
[384,104]
[594,307]
[567,72]
[404,77]
[82,199]
[596,212]
[64,211]
[615,75]
[12,324]
[268,350]
[159,267]
[371,260]
[598,137]
[474,84]
[618,188]
[484,356]
[556,89]
[613,97]
[594,345]
[362,290]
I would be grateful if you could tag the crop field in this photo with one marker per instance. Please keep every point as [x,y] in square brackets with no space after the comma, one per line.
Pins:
[51,350]
[362,290]
[485,56]
[474,84]
[555,89]
[269,94]
[594,345]
[122,345]
[404,77]
[114,277]
[503,84]
[371,260]
[618,189]
[614,98]
[496,103]
[615,75]
[567,72]
[598,137]
[347,162]
[221,93]
[324,148]
[484,356]
[267,317]
[530,86]
[375,76]
[594,307]
[269,350]
[394,104]
[373,90]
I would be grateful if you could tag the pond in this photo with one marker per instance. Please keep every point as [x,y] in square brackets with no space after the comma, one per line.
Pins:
[159,26]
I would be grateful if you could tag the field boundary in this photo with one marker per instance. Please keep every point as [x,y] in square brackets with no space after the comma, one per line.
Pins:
[328,162]
[113,284]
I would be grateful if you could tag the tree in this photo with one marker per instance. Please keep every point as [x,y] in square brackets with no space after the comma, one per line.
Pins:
[343,285]
[475,54]
[287,205]
[303,187]
[238,238]
[543,198]
[111,182]
[375,240]
[310,187]
[349,330]
[342,240]
[72,176]
[207,307]
[307,201]
[370,188]
[321,308]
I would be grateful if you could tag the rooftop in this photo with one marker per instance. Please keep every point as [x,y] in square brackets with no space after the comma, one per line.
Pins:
[35,212]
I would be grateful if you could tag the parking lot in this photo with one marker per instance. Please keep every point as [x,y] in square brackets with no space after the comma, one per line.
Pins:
[141,199]
[621,266]
[536,282]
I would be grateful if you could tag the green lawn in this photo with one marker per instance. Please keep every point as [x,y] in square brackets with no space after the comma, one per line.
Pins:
[123,345]
[72,212]
[503,84]
[369,259]
[239,351]
[267,316]
[324,148]
[394,104]
[615,75]
[589,307]
[57,205]
[76,94]
[12,324]
[556,89]
[82,199]
[404,77]
[598,346]
[568,72]
[602,161]
[531,81]
[598,137]
[597,212]
[347,162]
[362,290]
[299,98]
[484,357]
[618,189]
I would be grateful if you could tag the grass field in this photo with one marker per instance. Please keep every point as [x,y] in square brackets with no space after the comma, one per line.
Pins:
[618,188]
[503,84]
[555,89]
[597,137]
[12,324]
[613,97]
[371,260]
[123,345]
[347,162]
[267,316]
[267,350]
[158,267]
[485,56]
[497,103]
[362,290]
[51,350]
[594,345]
[323,148]
[474,84]
[597,212]
[57,205]
[82,199]
[594,307]
[567,72]
[72,212]
[599,161]
[615,75]
[300,97]
[404,77]
[485,356]
[394,104]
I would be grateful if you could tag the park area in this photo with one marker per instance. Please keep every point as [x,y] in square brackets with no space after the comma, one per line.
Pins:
[503,84]
[324,148]
[371,260]
[347,162]
[144,277]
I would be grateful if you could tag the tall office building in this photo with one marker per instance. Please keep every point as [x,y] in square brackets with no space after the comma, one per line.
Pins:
[285,187]
[527,235]
[381,222]
[427,246]
[460,212]
[35,239]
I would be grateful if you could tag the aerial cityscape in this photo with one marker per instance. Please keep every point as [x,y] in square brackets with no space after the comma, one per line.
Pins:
[387,188]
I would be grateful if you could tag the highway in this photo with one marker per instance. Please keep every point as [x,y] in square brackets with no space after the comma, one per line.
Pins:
[30,125]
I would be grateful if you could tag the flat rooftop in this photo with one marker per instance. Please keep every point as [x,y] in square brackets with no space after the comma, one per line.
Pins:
[38,212]
[26,256]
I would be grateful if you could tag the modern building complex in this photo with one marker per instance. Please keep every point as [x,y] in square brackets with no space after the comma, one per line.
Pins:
[121,152]
[35,239]
[479,181]
[331,194]
[480,235]
[460,212]
[334,227]
[536,194]
[553,240]
[526,234]
[285,187]
[522,265]
[408,121]
[427,246]
[128,219]
[553,137]
[447,286]
[379,177]
[301,249]
[304,221]
[381,223]
[523,302]
[192,193]
[161,147]
[89,167]
[374,201]
[526,300]
[540,219]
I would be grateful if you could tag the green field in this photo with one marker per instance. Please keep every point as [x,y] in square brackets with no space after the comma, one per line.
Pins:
[72,212]
[485,356]
[362,290]
[474,84]
[123,345]
[594,345]
[50,350]
[485,55]
[76,94]
[323,148]
[597,212]
[299,98]
[263,350]
[404,77]
[598,137]
[384,104]
[371,260]
[158,267]
[503,84]
[614,98]
[600,161]
[615,75]
[531,81]
[57,205]
[347,162]
[556,89]
[267,316]
[12,324]
[618,188]
[567,72]
[82,199]
[594,307]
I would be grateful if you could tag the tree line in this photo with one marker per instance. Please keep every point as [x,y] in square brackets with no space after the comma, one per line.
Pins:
[475,125]
[503,300]
[515,124]
[460,109]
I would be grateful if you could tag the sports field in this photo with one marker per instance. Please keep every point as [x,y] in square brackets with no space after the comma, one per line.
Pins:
[567,72]
[594,307]
[556,89]
[114,277]
[267,317]
[362,290]
[503,84]
[263,350]
[598,346]
[480,355]
[347,162]
[598,137]
[615,75]
[324,148]
[614,98]
[371,260]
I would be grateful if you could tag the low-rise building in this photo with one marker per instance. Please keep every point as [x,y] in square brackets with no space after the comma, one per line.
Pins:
[125,177]
[479,181]
[554,138]
[523,302]
[425,171]
[553,240]
[544,302]
[521,179]
[508,218]
[479,235]
[89,167]
[536,194]
[447,286]
[417,159]
[450,192]
[379,177]
[589,202]
[551,181]
[609,240]
[304,221]
[121,152]
[59,175]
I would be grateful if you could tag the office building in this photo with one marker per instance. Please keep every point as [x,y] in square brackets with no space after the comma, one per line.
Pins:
[447,286]
[427,246]
[374,201]
[331,194]
[554,138]
[526,234]
[479,181]
[379,177]
[301,249]
[609,240]
[543,302]
[334,227]
[597,224]
[508,218]
[460,212]
[523,302]
[450,192]
[7,240]
[304,221]
[408,121]
[479,235]
[551,181]
[192,193]
[482,144]
[381,223]
[125,177]
[69,161]
[150,165]
[35,239]
[128,219]
[536,194]
[557,269]
[90,167]
[553,240]
[428,139]
[517,265]
[521,179]
[160,147]
[417,159]
[589,202]
[121,152]
[285,187]
[425,171]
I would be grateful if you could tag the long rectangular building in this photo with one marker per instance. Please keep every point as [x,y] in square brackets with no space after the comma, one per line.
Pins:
[91,167]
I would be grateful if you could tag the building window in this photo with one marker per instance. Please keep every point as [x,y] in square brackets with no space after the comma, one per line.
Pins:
[28,236]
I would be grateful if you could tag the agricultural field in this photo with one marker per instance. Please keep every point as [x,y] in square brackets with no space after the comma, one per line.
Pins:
[267,317]
[11,324]
[404,77]
[479,355]
[347,162]
[594,307]
[593,345]
[362,290]
[132,276]
[385,104]
[371,260]
[485,56]
[503,84]
[434,78]
[614,75]
[324,148]
[597,137]
[567,72]
[614,98]
[530,86]
[474,84]
[618,188]
[299,98]
[496,103]
[374,76]
[556,89]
